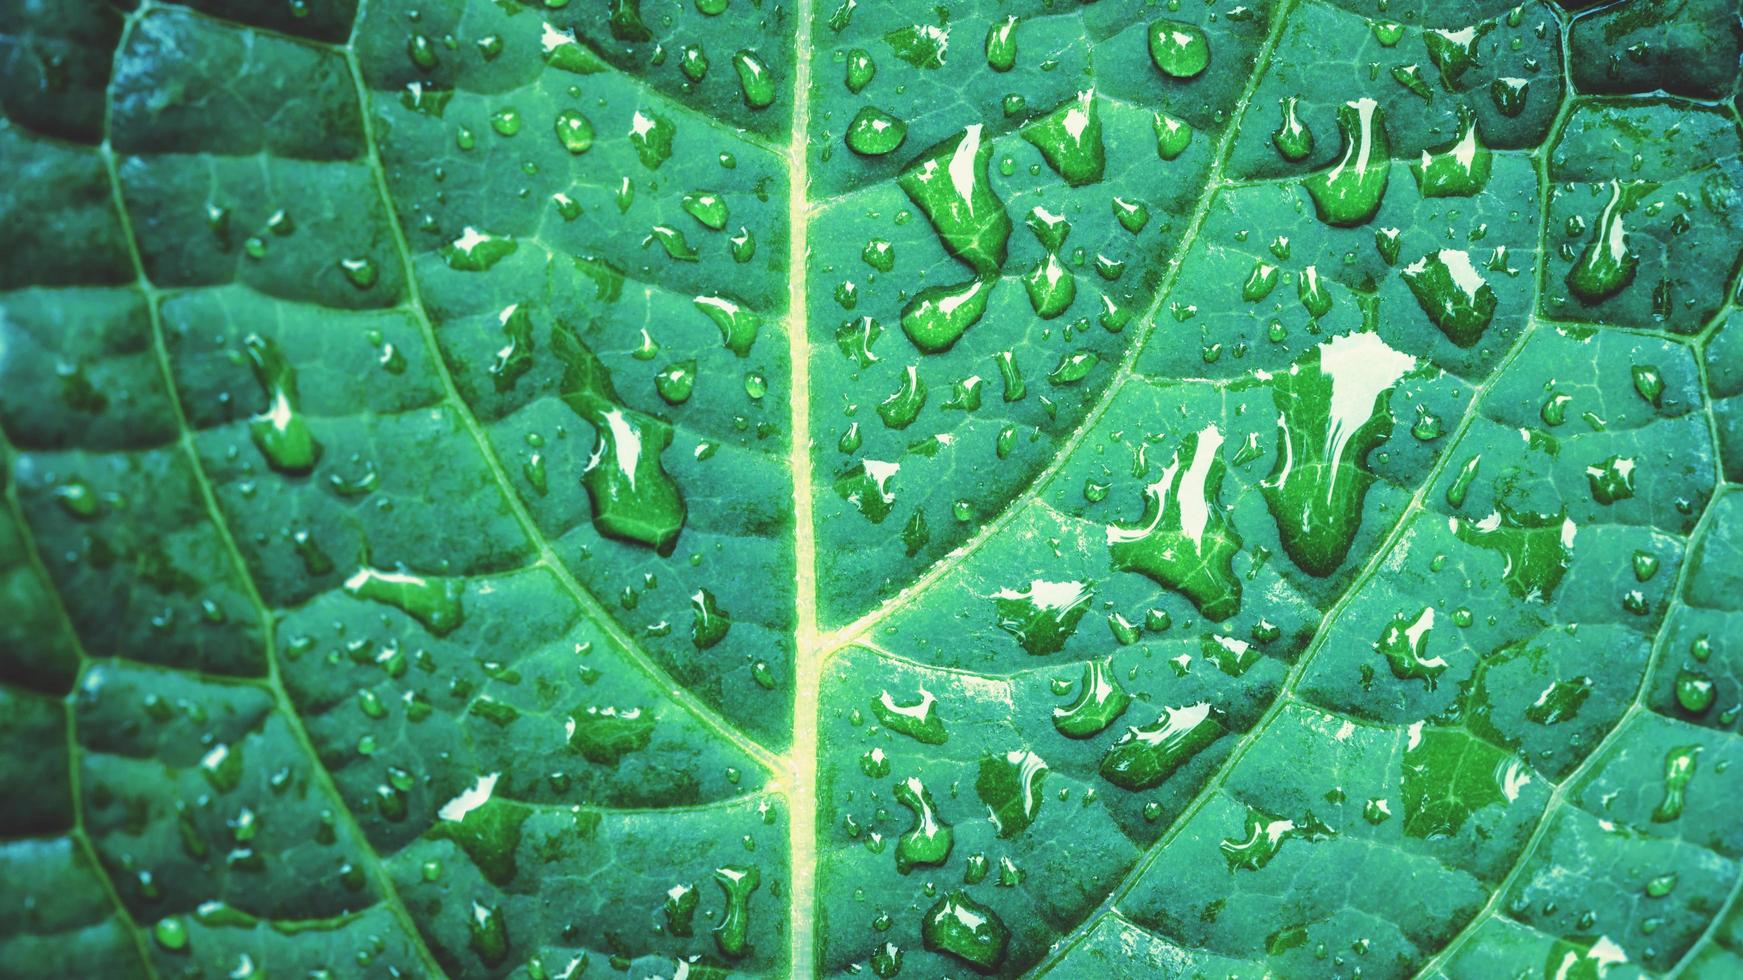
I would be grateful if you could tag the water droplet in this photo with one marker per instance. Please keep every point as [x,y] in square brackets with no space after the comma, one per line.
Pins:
[711,622]
[937,317]
[1293,139]
[1458,169]
[903,406]
[1348,193]
[1179,50]
[1051,287]
[1184,540]
[949,185]
[967,930]
[860,69]
[738,325]
[1172,136]
[1070,140]
[928,840]
[754,79]
[604,734]
[281,432]
[1332,411]
[1679,770]
[1311,290]
[1143,758]
[866,485]
[476,251]
[431,600]
[1043,616]
[676,381]
[1001,44]
[1100,702]
[1010,786]
[1611,479]
[1607,265]
[874,132]
[1264,837]
[652,137]
[634,498]
[919,721]
[1453,294]
[708,208]
[1404,644]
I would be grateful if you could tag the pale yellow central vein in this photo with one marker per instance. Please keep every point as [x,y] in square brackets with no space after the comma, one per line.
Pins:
[801,775]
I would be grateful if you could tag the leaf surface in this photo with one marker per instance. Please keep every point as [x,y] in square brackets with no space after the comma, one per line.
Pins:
[729,487]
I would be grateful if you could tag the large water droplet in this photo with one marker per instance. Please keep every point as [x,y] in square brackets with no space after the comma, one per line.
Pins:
[1332,411]
[281,432]
[1184,540]
[1348,193]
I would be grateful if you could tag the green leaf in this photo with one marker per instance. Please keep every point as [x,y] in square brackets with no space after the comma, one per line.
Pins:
[544,489]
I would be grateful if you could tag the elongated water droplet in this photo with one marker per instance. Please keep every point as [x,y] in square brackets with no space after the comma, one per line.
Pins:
[754,79]
[1010,786]
[860,70]
[1184,540]
[1348,193]
[903,406]
[634,498]
[736,883]
[1293,140]
[711,622]
[937,317]
[1332,411]
[1607,265]
[1679,771]
[489,933]
[1145,757]
[1453,294]
[928,840]
[738,326]
[431,600]
[1311,290]
[949,185]
[1001,44]
[281,432]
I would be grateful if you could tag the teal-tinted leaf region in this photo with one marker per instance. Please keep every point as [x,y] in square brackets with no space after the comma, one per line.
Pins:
[668,488]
